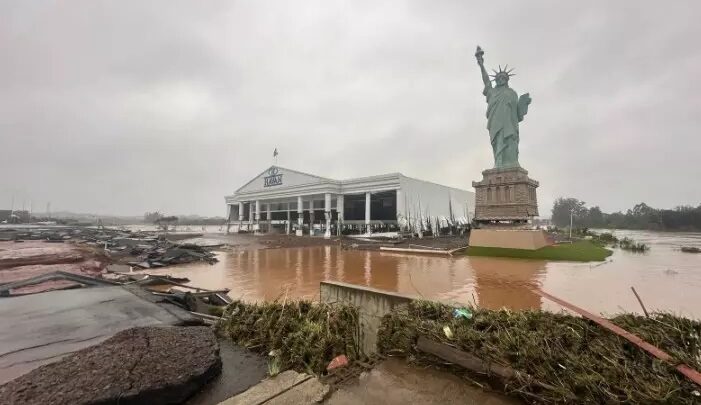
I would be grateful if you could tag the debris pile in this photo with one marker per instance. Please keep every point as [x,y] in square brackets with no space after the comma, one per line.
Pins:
[301,335]
[163,253]
[95,236]
[174,290]
[555,358]
[141,249]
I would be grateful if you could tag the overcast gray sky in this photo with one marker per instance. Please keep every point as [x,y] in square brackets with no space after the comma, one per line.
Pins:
[126,106]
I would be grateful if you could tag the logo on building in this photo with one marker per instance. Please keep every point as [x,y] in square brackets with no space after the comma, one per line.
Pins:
[274,177]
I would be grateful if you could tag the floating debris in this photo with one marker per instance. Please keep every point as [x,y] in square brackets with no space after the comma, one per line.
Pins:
[633,246]
[337,362]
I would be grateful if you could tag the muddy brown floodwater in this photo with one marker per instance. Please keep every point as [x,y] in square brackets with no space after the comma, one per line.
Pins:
[666,278]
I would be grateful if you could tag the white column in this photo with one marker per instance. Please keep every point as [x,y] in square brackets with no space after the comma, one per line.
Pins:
[311,216]
[367,213]
[399,207]
[249,226]
[229,208]
[288,225]
[327,213]
[241,211]
[339,209]
[300,216]
[256,226]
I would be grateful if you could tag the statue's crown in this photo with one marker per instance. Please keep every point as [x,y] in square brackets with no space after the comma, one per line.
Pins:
[503,72]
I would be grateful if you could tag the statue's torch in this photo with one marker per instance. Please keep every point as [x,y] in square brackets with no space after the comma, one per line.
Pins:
[479,53]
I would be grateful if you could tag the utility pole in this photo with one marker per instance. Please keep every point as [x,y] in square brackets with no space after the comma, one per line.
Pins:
[571,213]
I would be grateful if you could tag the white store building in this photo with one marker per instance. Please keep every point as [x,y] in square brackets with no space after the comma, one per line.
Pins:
[287,201]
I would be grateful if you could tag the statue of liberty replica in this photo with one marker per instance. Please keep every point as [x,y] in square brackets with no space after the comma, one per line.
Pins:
[504,111]
[506,196]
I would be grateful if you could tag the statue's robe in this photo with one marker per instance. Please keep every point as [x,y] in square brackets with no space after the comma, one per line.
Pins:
[504,112]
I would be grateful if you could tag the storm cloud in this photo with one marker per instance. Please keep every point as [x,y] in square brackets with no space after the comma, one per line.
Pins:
[126,106]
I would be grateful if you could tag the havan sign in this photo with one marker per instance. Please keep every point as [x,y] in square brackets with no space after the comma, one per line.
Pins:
[274,178]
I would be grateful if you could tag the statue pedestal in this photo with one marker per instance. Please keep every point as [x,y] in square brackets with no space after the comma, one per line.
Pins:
[510,238]
[505,196]
[505,200]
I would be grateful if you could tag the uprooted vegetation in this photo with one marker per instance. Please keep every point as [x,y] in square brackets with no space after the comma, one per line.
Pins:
[300,335]
[558,357]
[625,243]
[633,246]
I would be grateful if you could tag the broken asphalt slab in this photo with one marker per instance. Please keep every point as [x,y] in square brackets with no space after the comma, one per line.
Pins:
[42,328]
[151,365]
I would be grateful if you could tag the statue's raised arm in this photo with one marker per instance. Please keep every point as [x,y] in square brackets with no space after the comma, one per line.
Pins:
[479,55]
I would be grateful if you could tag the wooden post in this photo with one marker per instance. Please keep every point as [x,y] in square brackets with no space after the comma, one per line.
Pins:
[640,301]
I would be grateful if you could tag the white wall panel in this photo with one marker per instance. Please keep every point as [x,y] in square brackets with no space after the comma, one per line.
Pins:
[422,200]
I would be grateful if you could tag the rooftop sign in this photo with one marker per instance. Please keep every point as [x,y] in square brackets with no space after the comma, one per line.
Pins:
[274,178]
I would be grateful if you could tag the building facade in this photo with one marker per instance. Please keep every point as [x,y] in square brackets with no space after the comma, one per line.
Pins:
[288,201]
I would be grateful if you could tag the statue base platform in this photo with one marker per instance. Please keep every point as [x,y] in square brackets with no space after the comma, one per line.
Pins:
[505,195]
[509,238]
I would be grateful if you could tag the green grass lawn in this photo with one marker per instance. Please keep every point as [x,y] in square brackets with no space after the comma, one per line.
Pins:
[582,251]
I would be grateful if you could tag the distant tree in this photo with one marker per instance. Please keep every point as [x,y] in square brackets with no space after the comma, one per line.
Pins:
[563,207]
[640,216]
[167,220]
[615,220]
[595,218]
[165,223]
[152,217]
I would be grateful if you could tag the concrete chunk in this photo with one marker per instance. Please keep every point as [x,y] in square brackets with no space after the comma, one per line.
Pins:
[289,387]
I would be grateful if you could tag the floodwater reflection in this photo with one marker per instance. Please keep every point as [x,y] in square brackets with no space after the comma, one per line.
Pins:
[507,282]
[665,278]
[268,274]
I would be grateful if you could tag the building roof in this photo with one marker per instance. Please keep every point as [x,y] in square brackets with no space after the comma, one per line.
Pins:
[296,183]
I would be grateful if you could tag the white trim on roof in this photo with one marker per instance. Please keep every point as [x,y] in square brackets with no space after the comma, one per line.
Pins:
[322,185]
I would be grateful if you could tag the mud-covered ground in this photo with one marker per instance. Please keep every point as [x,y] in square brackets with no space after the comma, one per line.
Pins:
[273,241]
[23,260]
[426,243]
[244,241]
[394,382]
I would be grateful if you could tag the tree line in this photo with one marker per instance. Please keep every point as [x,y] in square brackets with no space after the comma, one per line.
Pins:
[156,217]
[641,216]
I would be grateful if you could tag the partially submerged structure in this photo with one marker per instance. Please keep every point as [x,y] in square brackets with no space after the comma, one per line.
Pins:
[288,201]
